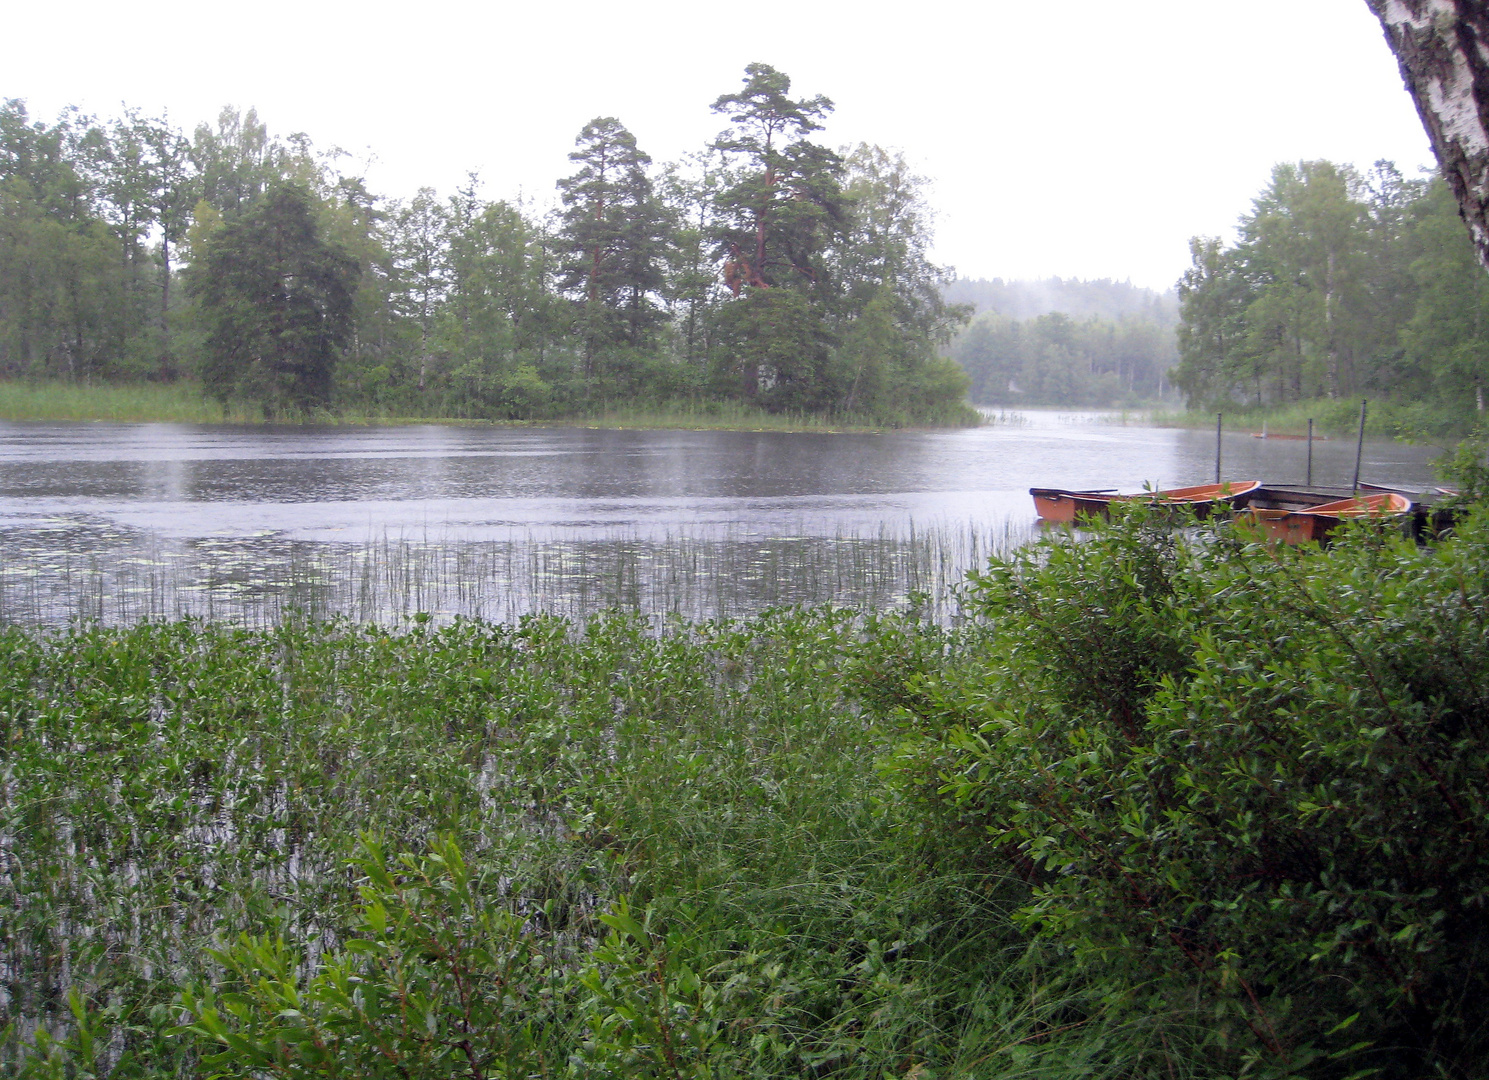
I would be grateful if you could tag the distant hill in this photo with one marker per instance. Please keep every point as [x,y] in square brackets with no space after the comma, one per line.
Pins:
[1080,300]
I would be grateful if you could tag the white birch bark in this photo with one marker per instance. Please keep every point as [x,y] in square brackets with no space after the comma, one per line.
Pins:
[1443,49]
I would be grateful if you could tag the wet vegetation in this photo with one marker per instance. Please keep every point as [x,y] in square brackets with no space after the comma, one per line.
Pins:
[183,402]
[1155,803]
[1342,284]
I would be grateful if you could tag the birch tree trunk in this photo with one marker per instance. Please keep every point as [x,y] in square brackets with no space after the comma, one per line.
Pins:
[1443,49]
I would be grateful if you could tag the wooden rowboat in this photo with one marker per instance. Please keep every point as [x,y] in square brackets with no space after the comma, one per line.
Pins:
[1317,522]
[1058,505]
[1067,507]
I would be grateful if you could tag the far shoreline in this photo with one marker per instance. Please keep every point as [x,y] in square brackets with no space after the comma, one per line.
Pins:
[24,401]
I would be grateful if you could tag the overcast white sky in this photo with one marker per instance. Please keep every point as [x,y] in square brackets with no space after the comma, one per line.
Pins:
[1085,138]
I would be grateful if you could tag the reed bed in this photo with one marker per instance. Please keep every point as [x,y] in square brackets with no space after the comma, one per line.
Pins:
[185,402]
[50,578]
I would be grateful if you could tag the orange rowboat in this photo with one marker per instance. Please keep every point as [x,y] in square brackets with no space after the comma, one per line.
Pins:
[1317,522]
[1066,507]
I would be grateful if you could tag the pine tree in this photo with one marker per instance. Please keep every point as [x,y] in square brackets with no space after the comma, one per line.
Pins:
[613,240]
[277,302]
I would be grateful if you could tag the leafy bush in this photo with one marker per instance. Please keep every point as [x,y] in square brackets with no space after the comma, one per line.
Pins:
[1256,777]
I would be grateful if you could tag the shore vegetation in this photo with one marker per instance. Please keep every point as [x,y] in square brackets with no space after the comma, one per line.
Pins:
[1335,418]
[1343,284]
[184,401]
[1154,803]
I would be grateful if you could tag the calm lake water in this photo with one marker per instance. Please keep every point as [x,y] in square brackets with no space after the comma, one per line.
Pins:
[120,522]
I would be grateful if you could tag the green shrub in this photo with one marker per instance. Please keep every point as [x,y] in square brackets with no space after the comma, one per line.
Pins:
[1251,777]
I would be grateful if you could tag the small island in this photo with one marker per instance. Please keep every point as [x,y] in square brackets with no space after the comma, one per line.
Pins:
[765,280]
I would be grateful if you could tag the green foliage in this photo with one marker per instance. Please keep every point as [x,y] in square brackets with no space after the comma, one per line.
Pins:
[1248,775]
[465,307]
[179,402]
[1343,284]
[1466,469]
[786,203]
[68,287]
[615,234]
[631,853]
[439,978]
[277,298]
[776,350]
[1447,340]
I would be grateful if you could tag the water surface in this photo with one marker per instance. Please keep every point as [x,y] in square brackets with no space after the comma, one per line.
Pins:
[121,521]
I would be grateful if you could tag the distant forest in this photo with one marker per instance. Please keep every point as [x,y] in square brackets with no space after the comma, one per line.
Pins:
[766,270]
[1061,341]
[1101,298]
[1341,284]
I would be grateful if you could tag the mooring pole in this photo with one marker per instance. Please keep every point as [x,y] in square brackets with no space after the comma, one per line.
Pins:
[1218,418]
[1360,445]
[1309,481]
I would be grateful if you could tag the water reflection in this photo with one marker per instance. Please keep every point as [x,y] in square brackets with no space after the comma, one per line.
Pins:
[127,521]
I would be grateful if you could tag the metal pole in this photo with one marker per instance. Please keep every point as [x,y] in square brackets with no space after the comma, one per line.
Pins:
[1360,445]
[1309,481]
[1218,418]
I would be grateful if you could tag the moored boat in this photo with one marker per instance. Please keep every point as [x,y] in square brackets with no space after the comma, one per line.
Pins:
[1317,522]
[1066,507]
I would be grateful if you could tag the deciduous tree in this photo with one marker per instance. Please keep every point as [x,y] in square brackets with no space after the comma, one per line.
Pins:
[1443,50]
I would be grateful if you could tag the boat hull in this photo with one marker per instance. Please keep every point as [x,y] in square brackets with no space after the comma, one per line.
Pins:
[1066,507]
[1059,506]
[1315,524]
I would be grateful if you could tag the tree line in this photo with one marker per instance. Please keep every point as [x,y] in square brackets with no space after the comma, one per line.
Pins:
[1079,298]
[1065,341]
[1054,359]
[765,269]
[1341,283]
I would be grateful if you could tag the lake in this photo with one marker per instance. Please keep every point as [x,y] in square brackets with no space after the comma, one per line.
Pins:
[127,521]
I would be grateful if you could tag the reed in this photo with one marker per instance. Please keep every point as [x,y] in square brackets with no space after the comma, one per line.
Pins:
[50,579]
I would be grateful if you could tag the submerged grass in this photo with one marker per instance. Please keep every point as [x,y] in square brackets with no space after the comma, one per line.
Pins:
[52,576]
[643,844]
[693,814]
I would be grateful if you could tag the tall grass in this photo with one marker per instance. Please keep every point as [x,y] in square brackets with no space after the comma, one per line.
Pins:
[184,402]
[730,416]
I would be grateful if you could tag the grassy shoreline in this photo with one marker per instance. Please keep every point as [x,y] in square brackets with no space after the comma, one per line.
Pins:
[184,403]
[1412,421]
